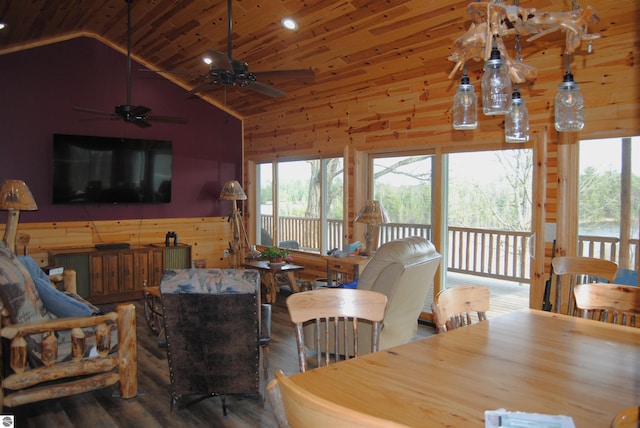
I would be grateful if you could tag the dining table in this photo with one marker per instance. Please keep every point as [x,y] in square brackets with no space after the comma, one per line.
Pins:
[524,361]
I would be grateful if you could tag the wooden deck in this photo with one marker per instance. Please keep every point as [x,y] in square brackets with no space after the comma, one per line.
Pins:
[506,296]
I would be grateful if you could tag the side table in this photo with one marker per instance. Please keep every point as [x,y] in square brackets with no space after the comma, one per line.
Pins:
[272,277]
[344,269]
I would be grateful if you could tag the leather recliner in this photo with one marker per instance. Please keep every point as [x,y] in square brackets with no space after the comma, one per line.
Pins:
[403,270]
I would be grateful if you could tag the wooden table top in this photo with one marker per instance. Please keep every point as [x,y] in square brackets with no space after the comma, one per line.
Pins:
[528,360]
[264,265]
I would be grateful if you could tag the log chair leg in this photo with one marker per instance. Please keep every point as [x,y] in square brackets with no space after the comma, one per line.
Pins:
[127,351]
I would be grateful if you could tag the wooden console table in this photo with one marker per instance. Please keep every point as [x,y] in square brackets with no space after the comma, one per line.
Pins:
[107,276]
[344,269]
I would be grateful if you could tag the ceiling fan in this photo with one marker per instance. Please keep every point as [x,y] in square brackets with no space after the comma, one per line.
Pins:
[138,115]
[226,71]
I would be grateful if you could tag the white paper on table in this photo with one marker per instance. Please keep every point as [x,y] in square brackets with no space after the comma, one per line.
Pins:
[502,418]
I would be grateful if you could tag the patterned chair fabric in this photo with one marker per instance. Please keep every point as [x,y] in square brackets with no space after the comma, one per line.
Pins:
[213,322]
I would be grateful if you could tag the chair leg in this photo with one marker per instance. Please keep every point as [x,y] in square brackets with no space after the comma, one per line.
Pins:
[224,405]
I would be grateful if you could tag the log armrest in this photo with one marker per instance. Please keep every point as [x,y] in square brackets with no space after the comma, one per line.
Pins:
[79,373]
[68,280]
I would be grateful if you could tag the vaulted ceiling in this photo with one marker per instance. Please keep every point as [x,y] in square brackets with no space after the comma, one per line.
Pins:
[351,45]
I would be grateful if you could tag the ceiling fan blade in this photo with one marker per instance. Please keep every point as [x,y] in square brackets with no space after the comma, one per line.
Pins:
[168,119]
[91,110]
[304,74]
[139,110]
[267,90]
[203,88]
[220,61]
[142,123]
[182,73]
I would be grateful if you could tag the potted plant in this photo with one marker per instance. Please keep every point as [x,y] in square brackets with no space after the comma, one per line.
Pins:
[276,255]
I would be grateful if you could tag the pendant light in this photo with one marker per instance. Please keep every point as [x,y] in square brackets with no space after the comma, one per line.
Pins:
[516,121]
[496,84]
[569,104]
[465,105]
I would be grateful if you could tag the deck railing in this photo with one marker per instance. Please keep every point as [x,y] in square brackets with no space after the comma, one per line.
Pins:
[608,248]
[497,254]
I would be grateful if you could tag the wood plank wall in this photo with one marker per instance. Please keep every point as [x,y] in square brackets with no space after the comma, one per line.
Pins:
[208,236]
[415,114]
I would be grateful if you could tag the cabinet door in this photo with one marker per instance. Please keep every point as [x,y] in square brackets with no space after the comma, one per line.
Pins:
[127,271]
[141,269]
[157,267]
[112,272]
[97,275]
[104,274]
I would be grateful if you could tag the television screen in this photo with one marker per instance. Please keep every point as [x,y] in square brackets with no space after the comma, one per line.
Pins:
[106,170]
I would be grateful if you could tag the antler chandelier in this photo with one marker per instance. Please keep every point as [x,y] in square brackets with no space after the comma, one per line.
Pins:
[492,23]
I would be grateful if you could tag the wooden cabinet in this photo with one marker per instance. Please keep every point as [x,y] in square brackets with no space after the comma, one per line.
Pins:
[106,276]
[344,269]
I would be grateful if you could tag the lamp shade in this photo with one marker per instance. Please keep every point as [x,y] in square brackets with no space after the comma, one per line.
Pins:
[372,212]
[232,191]
[15,195]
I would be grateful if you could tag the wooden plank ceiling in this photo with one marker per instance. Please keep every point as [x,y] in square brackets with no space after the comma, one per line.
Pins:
[351,45]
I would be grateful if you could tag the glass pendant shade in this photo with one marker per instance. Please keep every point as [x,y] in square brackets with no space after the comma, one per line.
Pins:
[516,123]
[465,106]
[496,85]
[569,106]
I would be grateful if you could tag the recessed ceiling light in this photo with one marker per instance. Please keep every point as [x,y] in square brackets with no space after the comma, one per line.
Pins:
[3,25]
[289,24]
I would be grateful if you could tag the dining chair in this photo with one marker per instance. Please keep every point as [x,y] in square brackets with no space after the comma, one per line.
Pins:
[304,409]
[573,270]
[615,303]
[627,418]
[455,306]
[337,313]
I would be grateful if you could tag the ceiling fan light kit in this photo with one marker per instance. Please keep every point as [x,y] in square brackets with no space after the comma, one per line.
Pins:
[492,21]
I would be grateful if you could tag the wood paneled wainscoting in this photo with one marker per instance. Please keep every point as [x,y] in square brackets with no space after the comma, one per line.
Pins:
[207,236]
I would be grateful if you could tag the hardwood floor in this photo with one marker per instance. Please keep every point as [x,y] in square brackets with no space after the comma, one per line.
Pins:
[152,407]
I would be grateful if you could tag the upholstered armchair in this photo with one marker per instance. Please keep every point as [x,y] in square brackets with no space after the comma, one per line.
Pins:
[217,332]
[55,344]
[403,270]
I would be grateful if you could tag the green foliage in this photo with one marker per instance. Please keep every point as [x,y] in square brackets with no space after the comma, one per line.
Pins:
[599,199]
[275,253]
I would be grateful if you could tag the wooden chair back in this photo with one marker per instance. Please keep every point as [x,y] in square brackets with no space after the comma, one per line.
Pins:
[455,306]
[628,418]
[304,409]
[615,303]
[337,313]
[570,271]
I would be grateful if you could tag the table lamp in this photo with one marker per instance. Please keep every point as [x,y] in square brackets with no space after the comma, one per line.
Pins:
[373,214]
[15,196]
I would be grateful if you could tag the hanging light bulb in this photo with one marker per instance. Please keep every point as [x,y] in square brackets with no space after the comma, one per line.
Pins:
[516,123]
[465,105]
[496,84]
[569,106]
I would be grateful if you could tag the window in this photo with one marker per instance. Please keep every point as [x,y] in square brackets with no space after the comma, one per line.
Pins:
[403,185]
[301,204]
[609,200]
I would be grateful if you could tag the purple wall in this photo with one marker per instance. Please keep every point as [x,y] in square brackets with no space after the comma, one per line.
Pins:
[39,87]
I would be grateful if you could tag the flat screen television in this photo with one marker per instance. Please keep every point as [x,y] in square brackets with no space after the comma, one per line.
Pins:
[108,170]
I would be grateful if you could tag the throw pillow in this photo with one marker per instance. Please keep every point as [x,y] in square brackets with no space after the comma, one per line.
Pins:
[17,290]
